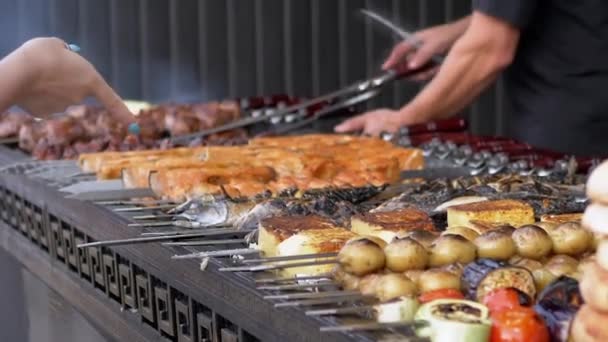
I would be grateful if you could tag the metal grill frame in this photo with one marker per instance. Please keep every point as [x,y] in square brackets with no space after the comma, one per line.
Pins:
[174,298]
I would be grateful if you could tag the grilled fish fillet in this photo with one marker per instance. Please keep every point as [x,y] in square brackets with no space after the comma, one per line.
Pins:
[511,212]
[181,183]
[274,230]
[305,162]
[387,225]
[92,162]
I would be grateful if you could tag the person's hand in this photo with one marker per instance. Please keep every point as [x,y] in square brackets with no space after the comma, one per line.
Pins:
[58,77]
[406,58]
[372,123]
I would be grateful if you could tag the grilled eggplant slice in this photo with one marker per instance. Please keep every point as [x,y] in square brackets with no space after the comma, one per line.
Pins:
[453,320]
[484,275]
[557,305]
[542,276]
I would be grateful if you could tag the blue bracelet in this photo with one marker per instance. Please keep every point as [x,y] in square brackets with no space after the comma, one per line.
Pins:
[73,47]
[134,128]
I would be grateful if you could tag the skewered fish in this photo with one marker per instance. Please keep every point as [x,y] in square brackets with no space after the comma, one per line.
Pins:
[337,205]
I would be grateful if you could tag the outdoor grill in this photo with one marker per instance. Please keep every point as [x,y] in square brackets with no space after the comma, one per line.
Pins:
[188,51]
[175,298]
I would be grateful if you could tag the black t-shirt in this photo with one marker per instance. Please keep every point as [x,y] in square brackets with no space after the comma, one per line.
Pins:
[558,82]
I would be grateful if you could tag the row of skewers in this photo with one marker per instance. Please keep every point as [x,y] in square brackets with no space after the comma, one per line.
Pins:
[319,290]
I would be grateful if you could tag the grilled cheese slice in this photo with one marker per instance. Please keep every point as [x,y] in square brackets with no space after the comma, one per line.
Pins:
[562,218]
[313,241]
[274,230]
[511,212]
[388,225]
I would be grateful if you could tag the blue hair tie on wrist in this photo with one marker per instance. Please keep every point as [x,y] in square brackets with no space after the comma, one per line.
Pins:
[134,128]
[73,47]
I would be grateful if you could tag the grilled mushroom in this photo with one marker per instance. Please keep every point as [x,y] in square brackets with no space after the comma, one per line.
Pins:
[495,244]
[450,249]
[361,257]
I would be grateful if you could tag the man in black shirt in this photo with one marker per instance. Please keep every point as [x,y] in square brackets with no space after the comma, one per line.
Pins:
[554,52]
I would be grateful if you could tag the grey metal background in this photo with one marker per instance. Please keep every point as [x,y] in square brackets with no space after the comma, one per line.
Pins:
[188,50]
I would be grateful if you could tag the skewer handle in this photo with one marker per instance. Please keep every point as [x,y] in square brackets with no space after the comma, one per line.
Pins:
[448,125]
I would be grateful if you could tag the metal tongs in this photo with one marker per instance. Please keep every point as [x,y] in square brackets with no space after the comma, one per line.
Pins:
[349,96]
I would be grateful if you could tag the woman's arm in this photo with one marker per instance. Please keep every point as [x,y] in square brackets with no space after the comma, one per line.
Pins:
[14,77]
[44,77]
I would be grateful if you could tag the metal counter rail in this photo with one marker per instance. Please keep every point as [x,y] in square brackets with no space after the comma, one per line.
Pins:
[176,299]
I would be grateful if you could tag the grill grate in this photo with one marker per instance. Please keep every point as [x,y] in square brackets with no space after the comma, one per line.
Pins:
[157,299]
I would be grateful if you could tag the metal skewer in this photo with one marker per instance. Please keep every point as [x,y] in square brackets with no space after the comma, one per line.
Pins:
[220,231]
[289,258]
[258,268]
[130,209]
[82,174]
[152,224]
[152,217]
[279,280]
[308,295]
[297,286]
[205,243]
[134,202]
[320,301]
[340,311]
[227,252]
[148,239]
[373,326]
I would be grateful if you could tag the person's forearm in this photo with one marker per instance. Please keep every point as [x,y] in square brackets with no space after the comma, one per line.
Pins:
[459,27]
[470,67]
[14,78]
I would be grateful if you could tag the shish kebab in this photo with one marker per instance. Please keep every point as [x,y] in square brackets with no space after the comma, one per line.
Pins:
[340,204]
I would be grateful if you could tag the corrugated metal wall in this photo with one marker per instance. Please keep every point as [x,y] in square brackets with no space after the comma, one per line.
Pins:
[189,50]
